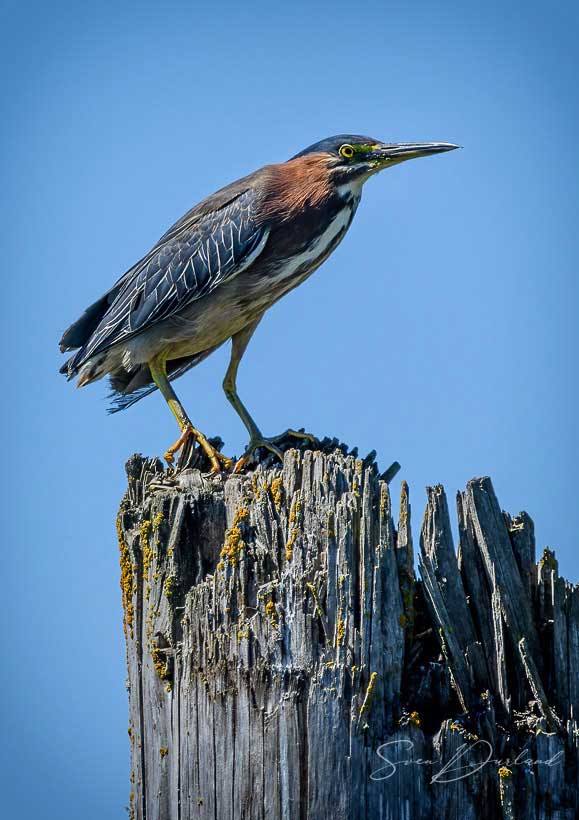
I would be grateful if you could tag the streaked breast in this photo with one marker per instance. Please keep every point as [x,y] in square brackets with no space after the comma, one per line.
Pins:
[302,264]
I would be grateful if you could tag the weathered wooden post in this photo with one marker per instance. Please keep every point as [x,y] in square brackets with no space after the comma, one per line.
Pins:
[284,661]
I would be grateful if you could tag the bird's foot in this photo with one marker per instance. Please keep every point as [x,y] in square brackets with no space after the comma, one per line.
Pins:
[271,443]
[218,460]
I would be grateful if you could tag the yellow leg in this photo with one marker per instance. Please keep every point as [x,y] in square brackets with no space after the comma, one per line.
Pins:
[239,344]
[158,368]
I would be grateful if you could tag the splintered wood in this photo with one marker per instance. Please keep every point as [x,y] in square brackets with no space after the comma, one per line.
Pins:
[284,662]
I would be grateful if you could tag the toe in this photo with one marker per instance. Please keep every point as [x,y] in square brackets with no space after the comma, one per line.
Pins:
[295,434]
[225,460]
[269,445]
[301,434]
[239,465]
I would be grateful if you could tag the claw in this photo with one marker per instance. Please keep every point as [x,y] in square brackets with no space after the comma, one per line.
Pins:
[214,456]
[269,444]
[174,448]
[225,460]
[239,465]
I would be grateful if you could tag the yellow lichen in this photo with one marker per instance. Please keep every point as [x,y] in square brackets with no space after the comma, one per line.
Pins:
[415,718]
[127,581]
[160,663]
[241,632]
[383,500]
[255,486]
[296,508]
[169,586]
[331,525]
[467,735]
[289,547]
[146,547]
[369,692]
[163,751]
[271,613]
[157,520]
[234,543]
[504,775]
[275,489]
[340,631]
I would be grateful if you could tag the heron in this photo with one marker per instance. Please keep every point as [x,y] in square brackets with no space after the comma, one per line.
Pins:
[217,270]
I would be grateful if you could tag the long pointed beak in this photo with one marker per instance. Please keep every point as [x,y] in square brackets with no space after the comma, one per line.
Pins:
[400,152]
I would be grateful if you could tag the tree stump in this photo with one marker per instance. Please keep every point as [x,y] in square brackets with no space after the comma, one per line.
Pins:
[284,661]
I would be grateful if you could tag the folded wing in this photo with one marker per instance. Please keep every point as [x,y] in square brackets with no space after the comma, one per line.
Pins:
[191,260]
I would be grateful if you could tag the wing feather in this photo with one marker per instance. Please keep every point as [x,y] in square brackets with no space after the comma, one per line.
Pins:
[189,262]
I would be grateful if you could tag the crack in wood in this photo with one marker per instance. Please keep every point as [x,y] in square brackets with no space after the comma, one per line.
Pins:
[264,678]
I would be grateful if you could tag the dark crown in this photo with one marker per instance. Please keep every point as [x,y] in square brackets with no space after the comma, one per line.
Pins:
[331,144]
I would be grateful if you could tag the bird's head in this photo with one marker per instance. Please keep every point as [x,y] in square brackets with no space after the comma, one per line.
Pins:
[350,158]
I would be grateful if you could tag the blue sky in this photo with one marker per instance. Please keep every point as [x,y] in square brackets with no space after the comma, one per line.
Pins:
[442,332]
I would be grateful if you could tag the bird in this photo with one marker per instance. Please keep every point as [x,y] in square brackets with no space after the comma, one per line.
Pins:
[217,270]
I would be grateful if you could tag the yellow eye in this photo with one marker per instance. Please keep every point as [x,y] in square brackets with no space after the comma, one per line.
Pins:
[346,151]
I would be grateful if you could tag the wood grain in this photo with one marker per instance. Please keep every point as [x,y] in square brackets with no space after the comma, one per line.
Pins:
[277,638]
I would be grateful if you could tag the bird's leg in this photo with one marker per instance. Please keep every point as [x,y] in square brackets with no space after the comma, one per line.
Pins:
[239,344]
[158,368]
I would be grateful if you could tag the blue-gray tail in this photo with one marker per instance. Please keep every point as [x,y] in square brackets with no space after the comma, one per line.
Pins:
[129,387]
